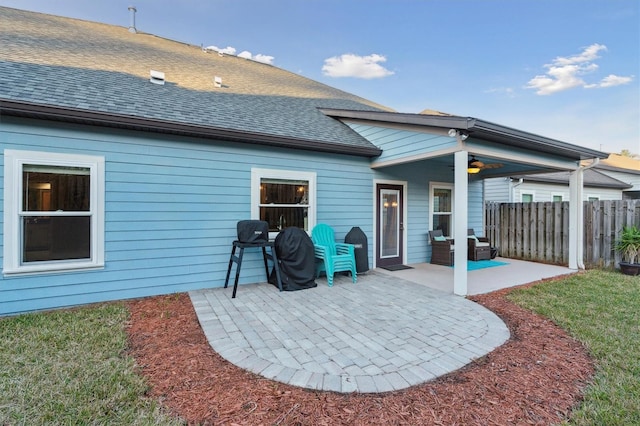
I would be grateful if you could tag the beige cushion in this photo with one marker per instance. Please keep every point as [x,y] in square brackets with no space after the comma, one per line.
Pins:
[478,244]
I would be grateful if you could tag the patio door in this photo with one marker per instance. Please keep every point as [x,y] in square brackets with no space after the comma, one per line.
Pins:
[390,229]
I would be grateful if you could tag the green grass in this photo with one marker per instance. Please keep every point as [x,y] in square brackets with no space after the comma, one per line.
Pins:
[69,367]
[602,310]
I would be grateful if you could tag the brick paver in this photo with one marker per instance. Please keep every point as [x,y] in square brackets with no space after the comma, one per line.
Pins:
[378,335]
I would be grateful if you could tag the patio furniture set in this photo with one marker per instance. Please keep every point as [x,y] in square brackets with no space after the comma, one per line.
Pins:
[442,248]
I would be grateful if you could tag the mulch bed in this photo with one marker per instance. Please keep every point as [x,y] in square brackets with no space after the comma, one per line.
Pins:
[535,378]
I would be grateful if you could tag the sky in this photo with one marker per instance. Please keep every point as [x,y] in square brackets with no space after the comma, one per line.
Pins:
[564,69]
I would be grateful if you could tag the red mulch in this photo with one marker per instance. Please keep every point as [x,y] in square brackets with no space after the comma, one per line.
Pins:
[535,378]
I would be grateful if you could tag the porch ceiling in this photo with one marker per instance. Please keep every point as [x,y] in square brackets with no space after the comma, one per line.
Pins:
[497,167]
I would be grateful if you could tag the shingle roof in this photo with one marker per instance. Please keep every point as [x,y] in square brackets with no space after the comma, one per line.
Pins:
[592,178]
[80,66]
[620,163]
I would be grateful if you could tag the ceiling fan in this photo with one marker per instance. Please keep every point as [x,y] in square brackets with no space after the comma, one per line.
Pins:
[475,166]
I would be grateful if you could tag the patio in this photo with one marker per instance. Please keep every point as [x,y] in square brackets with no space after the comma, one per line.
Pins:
[389,331]
[514,273]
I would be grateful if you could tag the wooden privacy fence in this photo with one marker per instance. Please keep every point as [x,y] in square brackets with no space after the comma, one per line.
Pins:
[540,231]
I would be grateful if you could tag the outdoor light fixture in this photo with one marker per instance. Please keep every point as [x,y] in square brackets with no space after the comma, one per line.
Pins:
[453,133]
[474,166]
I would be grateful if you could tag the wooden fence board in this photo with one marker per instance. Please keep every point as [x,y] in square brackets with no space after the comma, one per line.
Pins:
[540,231]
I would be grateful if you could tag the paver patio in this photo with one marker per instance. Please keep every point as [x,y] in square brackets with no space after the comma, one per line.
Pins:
[389,331]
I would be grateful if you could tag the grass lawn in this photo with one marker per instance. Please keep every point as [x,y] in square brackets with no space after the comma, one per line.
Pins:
[69,367]
[602,310]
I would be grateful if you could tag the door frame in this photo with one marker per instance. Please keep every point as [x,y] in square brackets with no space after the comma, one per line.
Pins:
[403,184]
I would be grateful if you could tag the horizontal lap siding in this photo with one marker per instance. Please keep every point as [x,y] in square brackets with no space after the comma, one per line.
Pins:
[397,144]
[171,208]
[475,209]
[497,189]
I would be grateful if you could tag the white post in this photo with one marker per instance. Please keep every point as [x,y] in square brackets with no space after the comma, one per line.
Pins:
[461,187]
[576,220]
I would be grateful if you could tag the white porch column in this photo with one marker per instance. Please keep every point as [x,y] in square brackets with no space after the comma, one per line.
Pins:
[576,219]
[461,187]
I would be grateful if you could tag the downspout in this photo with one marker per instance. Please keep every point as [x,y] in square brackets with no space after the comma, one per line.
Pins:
[512,192]
[580,248]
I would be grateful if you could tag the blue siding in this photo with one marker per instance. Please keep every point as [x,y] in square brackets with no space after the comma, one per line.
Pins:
[397,144]
[171,207]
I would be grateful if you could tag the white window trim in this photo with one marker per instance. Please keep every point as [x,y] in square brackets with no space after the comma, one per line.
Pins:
[442,185]
[556,194]
[589,196]
[13,162]
[258,174]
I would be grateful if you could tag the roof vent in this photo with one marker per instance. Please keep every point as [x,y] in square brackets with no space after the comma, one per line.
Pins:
[157,77]
[217,81]
[132,22]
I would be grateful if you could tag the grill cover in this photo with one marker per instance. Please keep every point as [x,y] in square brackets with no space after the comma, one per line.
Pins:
[296,257]
[253,231]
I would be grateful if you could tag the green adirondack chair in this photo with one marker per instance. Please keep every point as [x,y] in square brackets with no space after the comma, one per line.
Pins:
[332,257]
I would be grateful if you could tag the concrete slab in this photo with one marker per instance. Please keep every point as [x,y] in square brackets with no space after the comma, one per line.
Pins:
[514,273]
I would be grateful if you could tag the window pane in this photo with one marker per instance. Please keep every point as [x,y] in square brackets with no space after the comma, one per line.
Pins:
[283,217]
[442,200]
[281,191]
[527,198]
[389,224]
[442,222]
[56,238]
[557,198]
[49,188]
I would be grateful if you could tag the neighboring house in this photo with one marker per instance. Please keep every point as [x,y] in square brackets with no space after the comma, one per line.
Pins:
[552,187]
[624,169]
[129,158]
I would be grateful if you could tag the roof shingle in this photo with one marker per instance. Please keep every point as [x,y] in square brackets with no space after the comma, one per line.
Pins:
[70,63]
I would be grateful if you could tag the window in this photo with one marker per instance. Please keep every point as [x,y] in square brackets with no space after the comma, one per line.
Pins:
[526,198]
[54,210]
[283,198]
[593,198]
[556,197]
[441,207]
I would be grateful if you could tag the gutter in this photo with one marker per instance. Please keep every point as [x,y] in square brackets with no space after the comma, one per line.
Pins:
[129,122]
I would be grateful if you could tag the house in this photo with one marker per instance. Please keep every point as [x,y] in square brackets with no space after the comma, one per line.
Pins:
[625,169]
[127,160]
[552,186]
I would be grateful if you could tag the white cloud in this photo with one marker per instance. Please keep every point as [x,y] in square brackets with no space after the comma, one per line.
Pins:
[265,59]
[244,54]
[350,65]
[610,81]
[227,50]
[589,54]
[565,73]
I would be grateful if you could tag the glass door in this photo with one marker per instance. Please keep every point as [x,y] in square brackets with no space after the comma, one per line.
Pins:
[389,225]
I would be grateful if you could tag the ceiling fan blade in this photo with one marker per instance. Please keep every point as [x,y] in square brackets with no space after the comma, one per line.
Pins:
[492,166]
